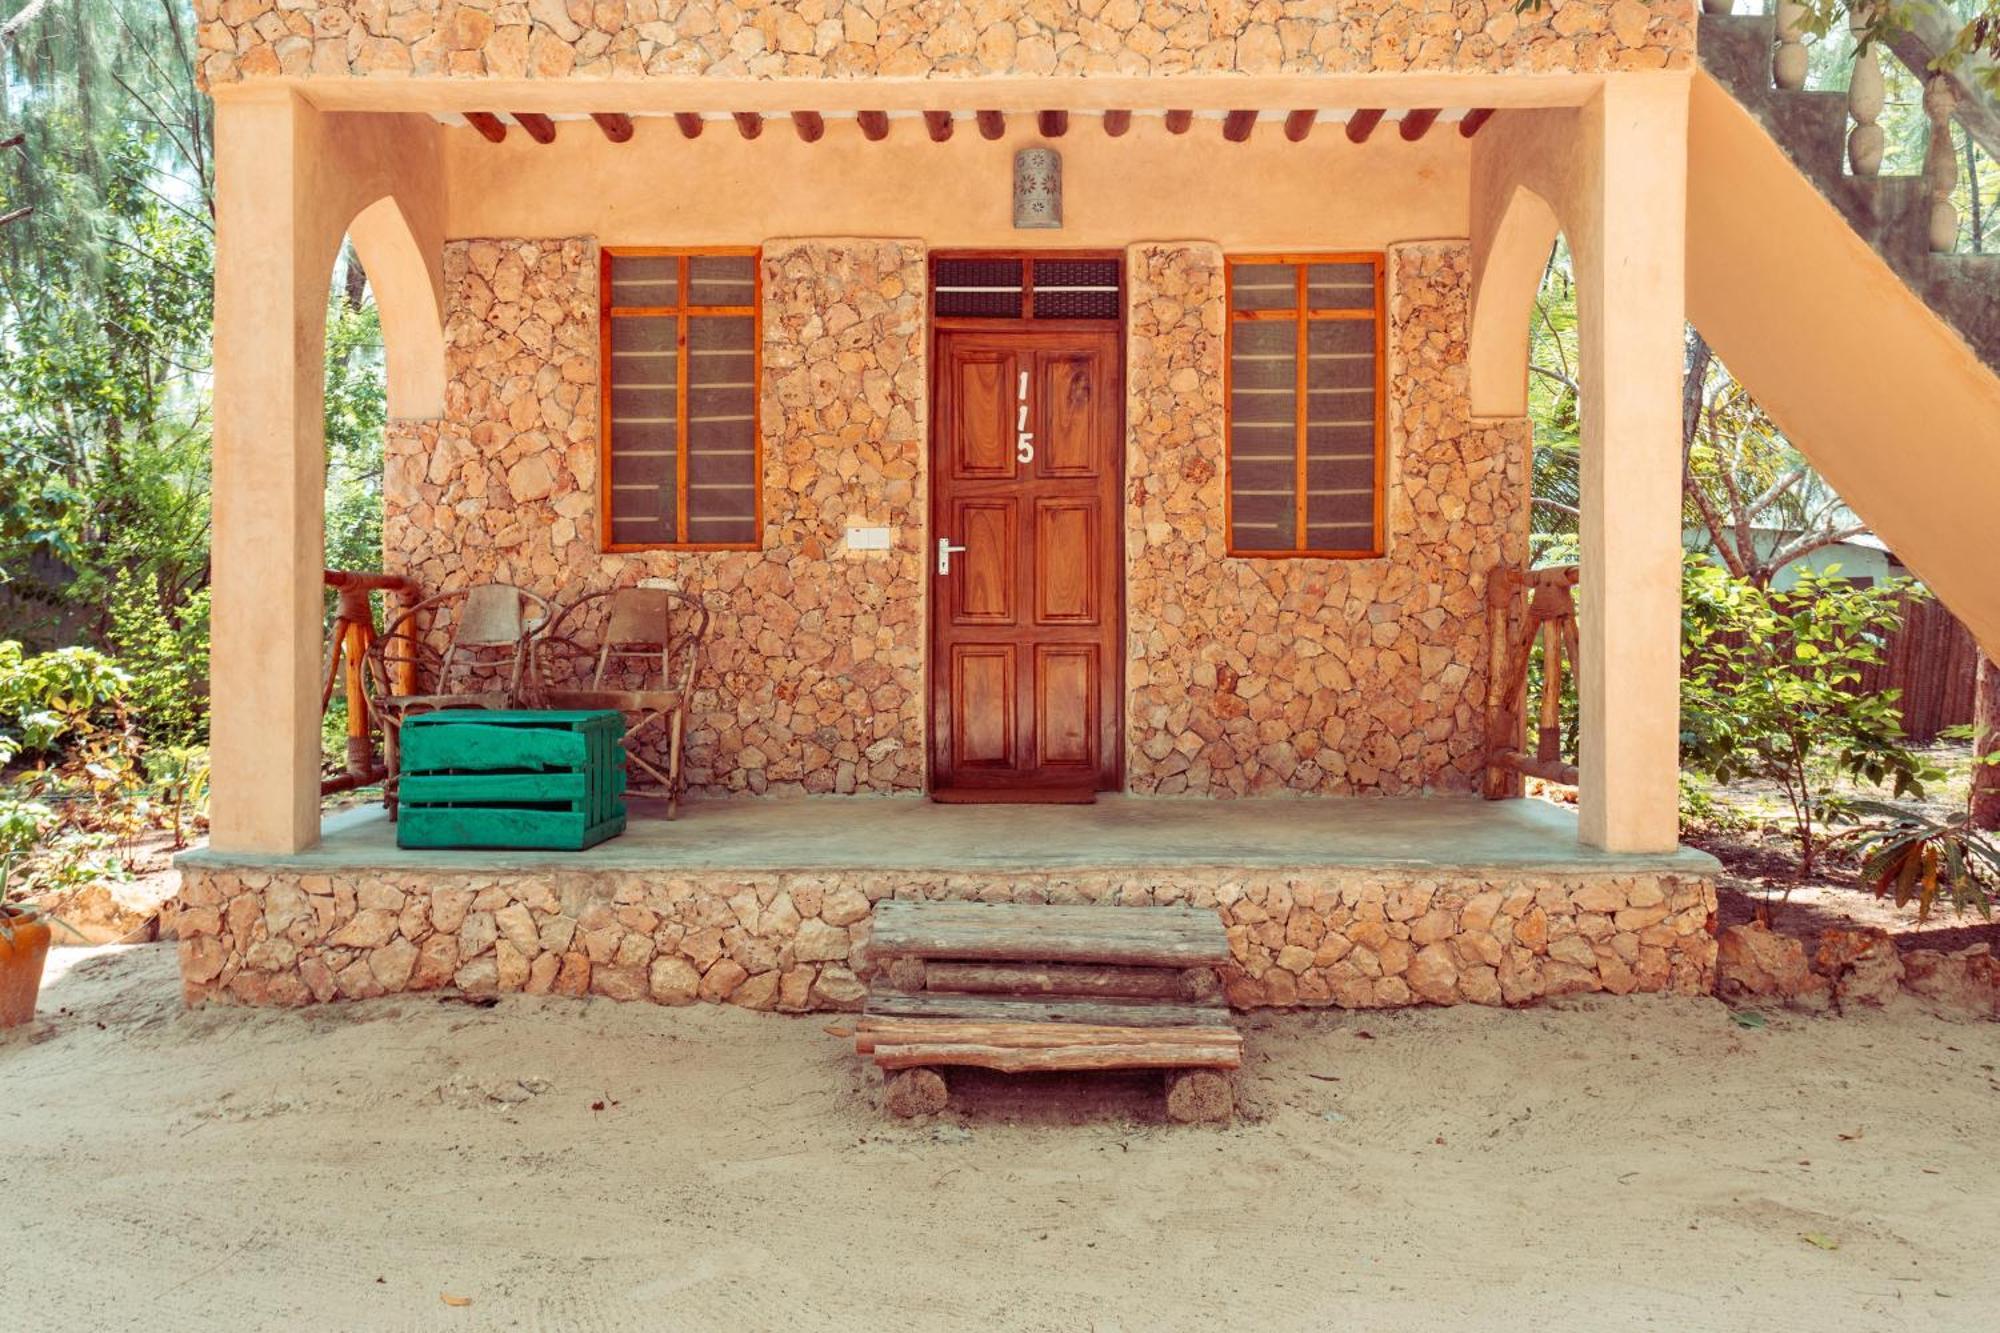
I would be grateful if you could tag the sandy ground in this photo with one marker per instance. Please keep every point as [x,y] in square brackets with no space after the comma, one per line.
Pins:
[1601,1164]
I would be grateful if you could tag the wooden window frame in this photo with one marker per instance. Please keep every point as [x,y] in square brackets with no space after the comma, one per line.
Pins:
[681,312]
[1303,316]
[1026,319]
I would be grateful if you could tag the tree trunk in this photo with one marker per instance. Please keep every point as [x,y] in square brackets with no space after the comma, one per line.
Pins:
[1986,744]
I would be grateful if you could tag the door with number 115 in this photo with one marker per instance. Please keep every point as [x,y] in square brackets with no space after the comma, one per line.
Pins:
[1026,622]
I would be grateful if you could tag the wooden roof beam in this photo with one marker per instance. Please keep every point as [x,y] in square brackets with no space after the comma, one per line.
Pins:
[1052,124]
[1117,122]
[1362,124]
[540,128]
[690,123]
[617,127]
[490,126]
[1416,124]
[809,124]
[749,124]
[1299,124]
[1236,126]
[992,124]
[1178,121]
[1473,120]
[874,124]
[939,125]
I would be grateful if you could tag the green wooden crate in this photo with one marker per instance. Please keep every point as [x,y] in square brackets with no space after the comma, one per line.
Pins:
[518,779]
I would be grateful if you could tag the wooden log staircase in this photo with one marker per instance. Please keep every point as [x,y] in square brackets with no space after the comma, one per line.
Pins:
[1025,988]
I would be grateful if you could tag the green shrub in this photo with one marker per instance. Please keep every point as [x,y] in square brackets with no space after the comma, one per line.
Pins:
[53,699]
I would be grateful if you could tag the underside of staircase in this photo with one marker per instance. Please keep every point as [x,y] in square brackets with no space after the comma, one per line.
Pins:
[1877,358]
[1887,211]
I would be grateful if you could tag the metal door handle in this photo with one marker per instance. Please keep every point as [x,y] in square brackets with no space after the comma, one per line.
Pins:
[945,552]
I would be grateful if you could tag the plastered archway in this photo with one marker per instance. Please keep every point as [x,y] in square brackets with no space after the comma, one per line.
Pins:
[409,303]
[1503,298]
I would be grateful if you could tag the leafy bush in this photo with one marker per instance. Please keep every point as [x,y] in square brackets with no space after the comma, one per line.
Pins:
[53,699]
[1771,690]
[165,659]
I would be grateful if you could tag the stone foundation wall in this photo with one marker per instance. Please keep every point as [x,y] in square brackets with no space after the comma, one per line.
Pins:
[797,941]
[812,677]
[1330,677]
[916,39]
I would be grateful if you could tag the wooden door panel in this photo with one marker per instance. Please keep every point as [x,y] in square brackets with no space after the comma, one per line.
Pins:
[1027,627]
[982,428]
[1071,444]
[1066,562]
[983,576]
[983,722]
[1066,703]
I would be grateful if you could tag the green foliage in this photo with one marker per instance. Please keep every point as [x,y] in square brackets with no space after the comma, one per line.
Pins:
[165,656]
[1771,689]
[54,699]
[1913,856]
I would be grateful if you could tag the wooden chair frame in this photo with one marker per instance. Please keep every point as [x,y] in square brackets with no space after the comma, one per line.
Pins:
[630,615]
[406,675]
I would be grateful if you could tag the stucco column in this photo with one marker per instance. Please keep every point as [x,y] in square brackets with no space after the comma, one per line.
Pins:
[270,474]
[1630,242]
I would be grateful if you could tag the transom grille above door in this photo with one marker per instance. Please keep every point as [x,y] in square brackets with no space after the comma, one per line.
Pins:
[1043,288]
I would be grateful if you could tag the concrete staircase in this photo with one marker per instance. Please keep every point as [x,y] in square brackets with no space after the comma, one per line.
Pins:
[1880,360]
[1887,211]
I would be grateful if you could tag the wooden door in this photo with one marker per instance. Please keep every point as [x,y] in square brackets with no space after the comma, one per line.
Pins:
[1027,620]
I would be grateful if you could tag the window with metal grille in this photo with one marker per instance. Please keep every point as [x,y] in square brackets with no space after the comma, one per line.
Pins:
[1306,454]
[1035,287]
[681,454]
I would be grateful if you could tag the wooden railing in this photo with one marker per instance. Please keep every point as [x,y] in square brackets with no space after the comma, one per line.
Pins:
[1527,611]
[348,642]
[1950,96]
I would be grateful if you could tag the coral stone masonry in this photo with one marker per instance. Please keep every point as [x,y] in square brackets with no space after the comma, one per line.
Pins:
[796,940]
[928,39]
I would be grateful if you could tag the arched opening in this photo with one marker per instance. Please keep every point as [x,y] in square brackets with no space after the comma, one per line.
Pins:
[1503,299]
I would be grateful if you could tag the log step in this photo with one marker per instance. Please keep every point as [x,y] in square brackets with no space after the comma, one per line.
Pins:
[1044,1009]
[1028,932]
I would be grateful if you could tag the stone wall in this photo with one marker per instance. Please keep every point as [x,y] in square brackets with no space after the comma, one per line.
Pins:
[918,39]
[1322,676]
[812,677]
[797,941]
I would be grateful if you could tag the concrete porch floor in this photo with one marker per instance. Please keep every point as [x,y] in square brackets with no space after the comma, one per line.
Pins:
[755,835]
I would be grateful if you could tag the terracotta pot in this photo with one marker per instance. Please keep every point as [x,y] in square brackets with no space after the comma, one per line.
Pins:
[21,960]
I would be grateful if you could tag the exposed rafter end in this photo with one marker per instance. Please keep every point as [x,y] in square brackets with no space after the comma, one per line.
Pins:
[809,124]
[939,125]
[690,123]
[1473,120]
[1416,124]
[1236,126]
[1052,124]
[1362,124]
[540,128]
[1299,124]
[491,127]
[616,126]
[1117,122]
[749,124]
[874,124]
[992,124]
[1178,121]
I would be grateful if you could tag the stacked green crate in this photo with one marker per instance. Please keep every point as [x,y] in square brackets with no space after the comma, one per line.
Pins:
[527,778]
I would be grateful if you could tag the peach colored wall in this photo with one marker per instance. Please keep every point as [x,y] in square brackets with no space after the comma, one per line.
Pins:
[661,189]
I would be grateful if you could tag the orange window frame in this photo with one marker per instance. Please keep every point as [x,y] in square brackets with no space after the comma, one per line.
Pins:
[1303,315]
[682,313]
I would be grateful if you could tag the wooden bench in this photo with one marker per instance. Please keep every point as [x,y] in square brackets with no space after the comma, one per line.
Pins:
[1024,988]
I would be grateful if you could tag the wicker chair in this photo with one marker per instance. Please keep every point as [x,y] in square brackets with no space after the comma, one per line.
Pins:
[640,659]
[485,631]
